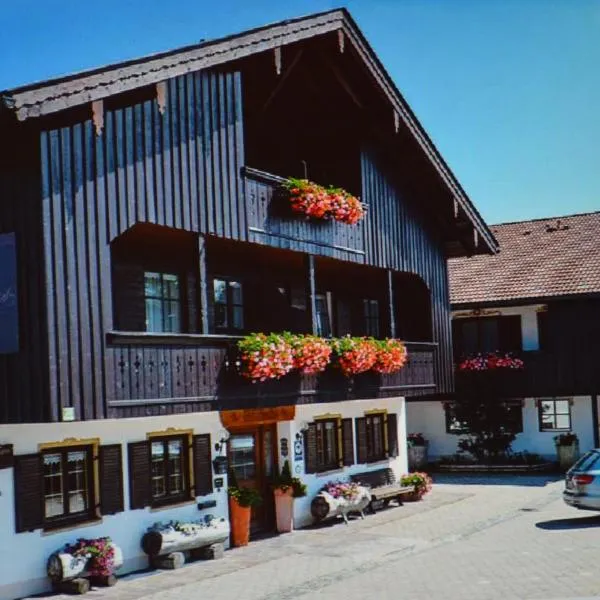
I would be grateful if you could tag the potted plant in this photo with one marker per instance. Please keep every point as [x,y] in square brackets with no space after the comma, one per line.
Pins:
[283,489]
[241,501]
[417,450]
[567,449]
[421,482]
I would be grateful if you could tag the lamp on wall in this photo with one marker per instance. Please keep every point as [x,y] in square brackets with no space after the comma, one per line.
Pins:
[303,430]
[220,462]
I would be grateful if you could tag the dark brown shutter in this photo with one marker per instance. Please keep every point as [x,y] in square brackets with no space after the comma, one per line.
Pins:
[29,500]
[510,333]
[310,449]
[392,425]
[111,479]
[362,450]
[140,494]
[128,294]
[203,464]
[347,442]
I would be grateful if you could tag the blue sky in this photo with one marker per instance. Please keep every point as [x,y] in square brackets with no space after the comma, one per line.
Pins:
[509,90]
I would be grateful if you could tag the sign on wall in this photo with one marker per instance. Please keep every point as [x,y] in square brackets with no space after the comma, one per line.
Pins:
[9,316]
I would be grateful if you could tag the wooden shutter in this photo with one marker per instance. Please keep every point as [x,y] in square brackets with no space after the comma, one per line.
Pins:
[140,494]
[111,479]
[29,500]
[362,450]
[392,425]
[310,449]
[203,464]
[128,295]
[510,333]
[347,442]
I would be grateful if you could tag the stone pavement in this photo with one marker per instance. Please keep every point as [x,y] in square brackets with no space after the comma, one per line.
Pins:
[492,537]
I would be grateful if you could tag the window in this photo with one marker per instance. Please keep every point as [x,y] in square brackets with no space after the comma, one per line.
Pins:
[376,436]
[323,315]
[169,469]
[487,334]
[162,299]
[68,484]
[554,414]
[509,414]
[371,316]
[328,454]
[228,305]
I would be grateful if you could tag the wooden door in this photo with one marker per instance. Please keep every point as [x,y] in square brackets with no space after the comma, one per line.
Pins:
[252,455]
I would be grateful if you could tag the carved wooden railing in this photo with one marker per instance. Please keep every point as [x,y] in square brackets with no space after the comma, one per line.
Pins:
[271,221]
[199,371]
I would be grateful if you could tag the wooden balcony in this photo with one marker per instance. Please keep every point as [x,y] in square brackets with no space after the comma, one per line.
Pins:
[544,374]
[271,221]
[155,374]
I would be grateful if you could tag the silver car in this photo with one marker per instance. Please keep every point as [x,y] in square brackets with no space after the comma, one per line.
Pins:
[582,482]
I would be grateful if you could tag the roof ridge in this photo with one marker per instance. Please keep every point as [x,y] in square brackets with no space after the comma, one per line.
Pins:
[582,214]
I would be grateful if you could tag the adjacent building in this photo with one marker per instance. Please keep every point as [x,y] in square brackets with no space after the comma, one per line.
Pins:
[539,299]
[143,230]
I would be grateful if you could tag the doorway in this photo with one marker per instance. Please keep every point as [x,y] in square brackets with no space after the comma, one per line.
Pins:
[252,455]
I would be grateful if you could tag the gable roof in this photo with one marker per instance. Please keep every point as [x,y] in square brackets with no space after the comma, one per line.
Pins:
[539,259]
[58,94]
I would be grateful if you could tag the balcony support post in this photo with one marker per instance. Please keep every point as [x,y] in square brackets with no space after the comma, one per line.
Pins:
[312,292]
[390,288]
[203,288]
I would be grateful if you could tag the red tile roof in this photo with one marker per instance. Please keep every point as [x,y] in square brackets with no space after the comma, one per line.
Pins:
[538,259]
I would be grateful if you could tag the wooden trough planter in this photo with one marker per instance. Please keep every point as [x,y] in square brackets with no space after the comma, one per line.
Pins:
[325,506]
[169,545]
[72,573]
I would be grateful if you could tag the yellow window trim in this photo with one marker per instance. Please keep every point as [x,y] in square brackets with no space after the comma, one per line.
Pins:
[173,432]
[73,443]
[383,412]
[340,446]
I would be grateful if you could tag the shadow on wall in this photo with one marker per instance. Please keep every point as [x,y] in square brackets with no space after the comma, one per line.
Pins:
[527,480]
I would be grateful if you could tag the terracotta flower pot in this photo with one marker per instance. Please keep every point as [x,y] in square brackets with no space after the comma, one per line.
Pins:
[284,510]
[240,523]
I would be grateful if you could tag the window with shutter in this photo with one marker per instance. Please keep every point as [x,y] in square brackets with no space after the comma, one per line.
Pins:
[203,465]
[329,452]
[29,505]
[392,435]
[111,479]
[310,449]
[372,436]
[347,442]
[139,474]
[362,450]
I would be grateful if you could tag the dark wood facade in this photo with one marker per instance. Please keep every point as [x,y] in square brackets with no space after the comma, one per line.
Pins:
[179,163]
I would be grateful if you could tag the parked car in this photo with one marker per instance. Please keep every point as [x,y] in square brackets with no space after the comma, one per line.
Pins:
[582,482]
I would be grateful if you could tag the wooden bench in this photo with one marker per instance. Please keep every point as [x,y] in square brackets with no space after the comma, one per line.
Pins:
[383,486]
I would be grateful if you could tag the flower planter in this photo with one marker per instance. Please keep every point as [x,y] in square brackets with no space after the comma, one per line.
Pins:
[284,510]
[567,455]
[240,523]
[417,457]
[325,506]
[165,538]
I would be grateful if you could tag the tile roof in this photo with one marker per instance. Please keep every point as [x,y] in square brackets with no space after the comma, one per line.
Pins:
[543,258]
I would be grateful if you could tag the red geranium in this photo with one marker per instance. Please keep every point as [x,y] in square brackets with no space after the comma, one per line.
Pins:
[355,355]
[265,356]
[391,356]
[311,354]
[491,360]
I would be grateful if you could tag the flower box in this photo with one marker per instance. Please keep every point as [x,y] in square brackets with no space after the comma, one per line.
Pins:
[338,498]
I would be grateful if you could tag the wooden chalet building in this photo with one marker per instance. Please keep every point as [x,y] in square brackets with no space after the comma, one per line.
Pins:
[143,230]
[538,298]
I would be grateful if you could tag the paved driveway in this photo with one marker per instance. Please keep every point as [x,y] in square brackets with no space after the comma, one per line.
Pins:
[473,537]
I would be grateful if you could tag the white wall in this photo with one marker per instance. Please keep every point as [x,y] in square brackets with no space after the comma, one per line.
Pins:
[528,314]
[351,409]
[23,555]
[429,419]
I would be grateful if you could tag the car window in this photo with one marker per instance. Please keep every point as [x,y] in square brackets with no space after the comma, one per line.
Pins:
[586,462]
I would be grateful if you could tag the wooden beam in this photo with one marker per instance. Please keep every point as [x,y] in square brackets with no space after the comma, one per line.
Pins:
[342,80]
[280,83]
[312,292]
[277,56]
[161,96]
[98,115]
[396,121]
[204,323]
[391,302]
[341,40]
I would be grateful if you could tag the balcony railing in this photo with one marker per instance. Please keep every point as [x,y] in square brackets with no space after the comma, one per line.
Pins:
[270,221]
[161,374]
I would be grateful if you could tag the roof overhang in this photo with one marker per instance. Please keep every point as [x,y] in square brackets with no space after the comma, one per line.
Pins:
[60,94]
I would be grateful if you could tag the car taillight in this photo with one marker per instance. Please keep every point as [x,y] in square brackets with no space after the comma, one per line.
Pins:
[583,479]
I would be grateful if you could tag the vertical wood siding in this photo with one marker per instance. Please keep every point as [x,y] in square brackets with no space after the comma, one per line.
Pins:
[397,238]
[179,169]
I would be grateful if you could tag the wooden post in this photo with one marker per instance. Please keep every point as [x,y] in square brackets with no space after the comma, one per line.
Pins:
[204,326]
[312,293]
[390,278]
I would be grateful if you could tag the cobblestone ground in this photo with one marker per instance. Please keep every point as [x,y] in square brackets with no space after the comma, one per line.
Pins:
[483,538]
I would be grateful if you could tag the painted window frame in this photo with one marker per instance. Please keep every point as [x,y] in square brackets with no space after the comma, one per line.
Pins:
[372,317]
[229,304]
[187,471]
[165,302]
[338,461]
[555,414]
[372,456]
[92,511]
